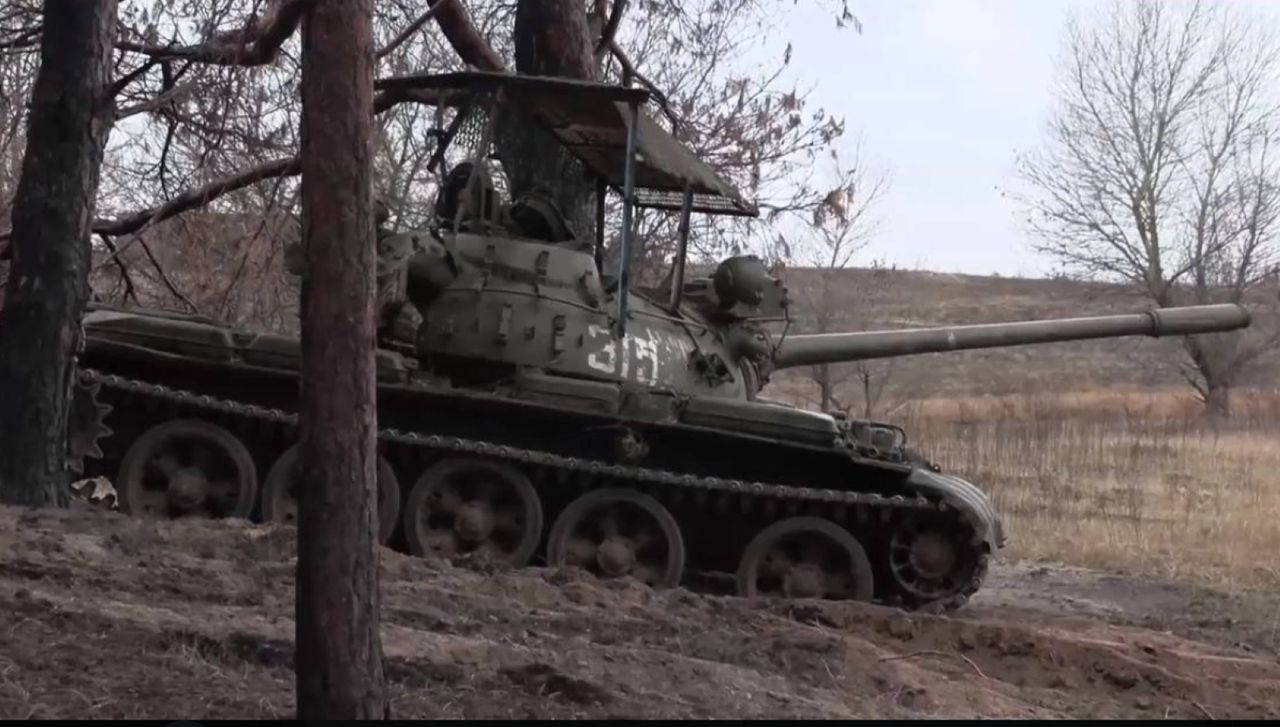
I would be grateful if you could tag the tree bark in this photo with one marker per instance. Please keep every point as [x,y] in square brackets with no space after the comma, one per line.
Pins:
[868,396]
[1217,400]
[48,277]
[339,651]
[552,38]
[1212,356]
[462,34]
[822,376]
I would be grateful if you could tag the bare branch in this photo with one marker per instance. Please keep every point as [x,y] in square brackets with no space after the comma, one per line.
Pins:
[198,197]
[201,196]
[130,291]
[413,27]
[385,100]
[471,46]
[23,38]
[610,30]
[165,97]
[123,82]
[630,69]
[164,277]
[257,43]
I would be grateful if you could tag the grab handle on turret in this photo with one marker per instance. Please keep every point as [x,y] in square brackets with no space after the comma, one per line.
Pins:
[828,348]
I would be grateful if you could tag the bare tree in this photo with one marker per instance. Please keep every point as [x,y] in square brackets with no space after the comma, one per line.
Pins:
[339,651]
[209,119]
[199,195]
[873,389]
[18,63]
[1161,169]
[19,58]
[77,102]
[755,130]
[840,227]
[52,208]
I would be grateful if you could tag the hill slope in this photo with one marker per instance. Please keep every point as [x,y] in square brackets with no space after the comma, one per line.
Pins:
[109,617]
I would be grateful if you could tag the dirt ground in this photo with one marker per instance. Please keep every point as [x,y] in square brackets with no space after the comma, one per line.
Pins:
[102,616]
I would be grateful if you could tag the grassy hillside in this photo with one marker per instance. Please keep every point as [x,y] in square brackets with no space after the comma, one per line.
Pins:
[1093,451]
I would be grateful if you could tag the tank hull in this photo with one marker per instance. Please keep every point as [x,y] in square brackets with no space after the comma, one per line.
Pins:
[725,470]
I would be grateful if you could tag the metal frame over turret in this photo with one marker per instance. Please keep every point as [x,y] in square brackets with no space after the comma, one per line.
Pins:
[532,411]
[607,129]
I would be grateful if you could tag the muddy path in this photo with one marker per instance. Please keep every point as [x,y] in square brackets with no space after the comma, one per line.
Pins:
[102,616]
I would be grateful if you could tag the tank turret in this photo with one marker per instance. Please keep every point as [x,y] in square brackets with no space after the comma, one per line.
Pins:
[536,407]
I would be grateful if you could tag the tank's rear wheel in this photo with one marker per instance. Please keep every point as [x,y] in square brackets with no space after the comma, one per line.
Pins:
[187,467]
[86,425]
[280,503]
[929,561]
[805,557]
[461,506]
[619,532]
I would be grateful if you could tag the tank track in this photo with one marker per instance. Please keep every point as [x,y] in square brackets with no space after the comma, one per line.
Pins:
[794,497]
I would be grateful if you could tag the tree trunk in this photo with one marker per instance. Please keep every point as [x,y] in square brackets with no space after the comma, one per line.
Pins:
[1217,400]
[339,652]
[48,276]
[1211,355]
[552,38]
[822,375]
[868,396]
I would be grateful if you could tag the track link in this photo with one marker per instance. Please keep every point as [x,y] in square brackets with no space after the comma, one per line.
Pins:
[751,493]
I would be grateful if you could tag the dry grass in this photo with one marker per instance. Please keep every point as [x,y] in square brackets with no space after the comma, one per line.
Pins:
[1122,481]
[1120,475]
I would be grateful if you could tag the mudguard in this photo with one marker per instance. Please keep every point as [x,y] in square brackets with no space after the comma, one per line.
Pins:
[965,497]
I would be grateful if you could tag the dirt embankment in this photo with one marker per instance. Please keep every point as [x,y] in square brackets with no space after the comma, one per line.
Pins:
[108,617]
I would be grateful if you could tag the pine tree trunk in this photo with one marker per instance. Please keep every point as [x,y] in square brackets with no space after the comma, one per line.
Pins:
[53,207]
[339,652]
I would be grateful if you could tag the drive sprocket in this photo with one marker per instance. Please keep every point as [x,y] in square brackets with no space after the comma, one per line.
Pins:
[86,425]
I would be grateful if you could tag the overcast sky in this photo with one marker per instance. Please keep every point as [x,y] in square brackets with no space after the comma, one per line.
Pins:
[942,94]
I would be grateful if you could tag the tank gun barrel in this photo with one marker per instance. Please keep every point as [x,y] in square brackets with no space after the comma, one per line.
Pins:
[829,348]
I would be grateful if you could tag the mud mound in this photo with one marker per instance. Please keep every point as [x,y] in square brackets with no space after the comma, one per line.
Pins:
[109,617]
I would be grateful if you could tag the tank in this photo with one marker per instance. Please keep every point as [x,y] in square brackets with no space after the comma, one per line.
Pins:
[537,409]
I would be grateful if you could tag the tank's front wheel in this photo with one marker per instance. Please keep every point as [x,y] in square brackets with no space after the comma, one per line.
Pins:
[619,532]
[461,506]
[188,468]
[930,562]
[805,557]
[280,501]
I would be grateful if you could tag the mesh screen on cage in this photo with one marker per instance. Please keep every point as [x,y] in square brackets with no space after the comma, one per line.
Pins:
[469,136]
[466,143]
